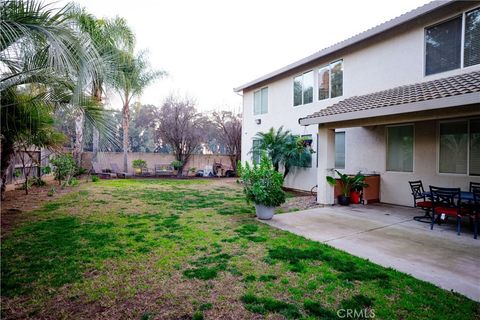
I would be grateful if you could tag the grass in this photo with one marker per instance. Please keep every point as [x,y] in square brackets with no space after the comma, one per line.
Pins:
[191,249]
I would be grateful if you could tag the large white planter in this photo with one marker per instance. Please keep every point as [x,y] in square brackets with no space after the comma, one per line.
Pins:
[263,212]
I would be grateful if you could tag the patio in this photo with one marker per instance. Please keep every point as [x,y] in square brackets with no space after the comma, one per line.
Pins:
[388,235]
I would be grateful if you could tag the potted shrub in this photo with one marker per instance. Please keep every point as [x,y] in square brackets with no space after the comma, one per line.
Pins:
[262,185]
[177,165]
[347,184]
[138,165]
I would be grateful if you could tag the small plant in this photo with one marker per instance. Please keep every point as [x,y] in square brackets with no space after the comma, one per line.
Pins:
[262,184]
[139,163]
[51,192]
[46,170]
[348,183]
[37,181]
[65,168]
[176,164]
[95,178]
[192,170]
[80,171]
[17,173]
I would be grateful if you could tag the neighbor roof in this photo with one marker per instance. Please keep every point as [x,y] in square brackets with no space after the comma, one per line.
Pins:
[464,84]
[411,15]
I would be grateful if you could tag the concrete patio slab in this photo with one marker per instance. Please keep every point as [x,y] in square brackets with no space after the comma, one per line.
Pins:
[388,235]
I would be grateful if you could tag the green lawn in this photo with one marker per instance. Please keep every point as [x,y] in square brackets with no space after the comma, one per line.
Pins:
[191,249]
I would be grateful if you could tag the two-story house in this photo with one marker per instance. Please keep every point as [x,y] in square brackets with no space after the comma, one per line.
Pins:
[401,99]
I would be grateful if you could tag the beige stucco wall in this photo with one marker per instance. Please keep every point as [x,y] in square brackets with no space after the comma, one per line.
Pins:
[198,161]
[386,63]
[366,151]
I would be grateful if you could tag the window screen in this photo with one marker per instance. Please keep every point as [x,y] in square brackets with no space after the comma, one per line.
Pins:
[308,87]
[453,147]
[340,150]
[297,91]
[323,83]
[400,148]
[443,46]
[472,38]
[255,152]
[337,79]
[475,147]
[260,101]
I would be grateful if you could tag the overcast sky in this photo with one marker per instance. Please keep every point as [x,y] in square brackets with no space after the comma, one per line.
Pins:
[209,47]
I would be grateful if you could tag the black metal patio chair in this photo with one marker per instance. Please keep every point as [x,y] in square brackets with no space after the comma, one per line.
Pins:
[446,202]
[420,201]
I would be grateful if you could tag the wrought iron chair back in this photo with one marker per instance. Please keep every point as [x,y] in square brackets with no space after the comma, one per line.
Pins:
[445,197]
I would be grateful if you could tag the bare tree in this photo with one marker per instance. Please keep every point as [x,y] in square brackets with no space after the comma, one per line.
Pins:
[229,126]
[180,126]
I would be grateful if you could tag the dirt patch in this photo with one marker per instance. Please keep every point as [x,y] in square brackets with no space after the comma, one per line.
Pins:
[298,204]
[17,203]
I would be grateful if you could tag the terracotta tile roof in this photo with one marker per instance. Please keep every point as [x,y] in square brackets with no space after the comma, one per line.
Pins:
[441,88]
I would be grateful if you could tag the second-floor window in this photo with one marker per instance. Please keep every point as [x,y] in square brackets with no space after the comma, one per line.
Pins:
[443,43]
[330,80]
[303,89]
[260,101]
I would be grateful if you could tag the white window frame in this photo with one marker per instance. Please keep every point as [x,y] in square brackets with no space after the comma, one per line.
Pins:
[313,88]
[260,91]
[462,41]
[329,67]
[468,148]
[413,147]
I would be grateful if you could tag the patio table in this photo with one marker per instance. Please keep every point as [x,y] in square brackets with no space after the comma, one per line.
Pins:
[464,195]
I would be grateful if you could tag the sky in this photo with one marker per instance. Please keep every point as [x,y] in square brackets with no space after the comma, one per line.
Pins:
[208,47]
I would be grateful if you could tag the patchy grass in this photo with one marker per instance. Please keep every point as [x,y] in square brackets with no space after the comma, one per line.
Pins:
[190,249]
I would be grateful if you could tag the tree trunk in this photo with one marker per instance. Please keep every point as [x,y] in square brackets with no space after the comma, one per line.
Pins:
[97,93]
[126,115]
[78,147]
[6,156]
[287,170]
[96,139]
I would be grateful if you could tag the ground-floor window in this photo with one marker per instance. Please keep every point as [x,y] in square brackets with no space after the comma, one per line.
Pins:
[459,147]
[255,152]
[400,148]
[340,150]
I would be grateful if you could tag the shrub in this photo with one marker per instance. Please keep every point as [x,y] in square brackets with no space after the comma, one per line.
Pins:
[95,178]
[37,181]
[46,170]
[65,168]
[51,192]
[176,164]
[139,163]
[262,184]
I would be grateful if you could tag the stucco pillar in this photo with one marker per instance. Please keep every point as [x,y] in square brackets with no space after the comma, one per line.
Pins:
[326,164]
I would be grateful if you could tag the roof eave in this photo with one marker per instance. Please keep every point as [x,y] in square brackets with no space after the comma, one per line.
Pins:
[440,103]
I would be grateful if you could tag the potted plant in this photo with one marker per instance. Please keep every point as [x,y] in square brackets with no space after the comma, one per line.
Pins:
[262,185]
[347,184]
[138,165]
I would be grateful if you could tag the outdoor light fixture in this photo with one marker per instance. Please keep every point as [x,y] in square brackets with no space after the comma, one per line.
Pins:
[258,121]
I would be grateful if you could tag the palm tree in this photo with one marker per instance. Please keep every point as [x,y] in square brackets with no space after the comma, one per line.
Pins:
[109,37]
[273,142]
[283,148]
[42,50]
[295,153]
[133,77]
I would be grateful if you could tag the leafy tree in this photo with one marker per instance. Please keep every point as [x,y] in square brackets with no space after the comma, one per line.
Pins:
[30,127]
[42,52]
[133,77]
